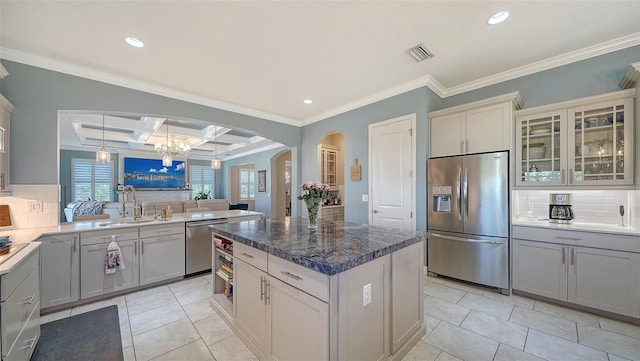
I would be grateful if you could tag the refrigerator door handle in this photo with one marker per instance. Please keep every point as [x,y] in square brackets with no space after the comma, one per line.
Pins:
[458,193]
[465,193]
[468,240]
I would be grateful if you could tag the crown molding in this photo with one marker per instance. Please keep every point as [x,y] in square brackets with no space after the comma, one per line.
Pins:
[427,80]
[3,71]
[513,98]
[6,104]
[105,77]
[631,77]
[573,103]
[550,63]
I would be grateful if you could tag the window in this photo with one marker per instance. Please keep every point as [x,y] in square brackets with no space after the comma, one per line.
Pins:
[91,180]
[247,184]
[201,180]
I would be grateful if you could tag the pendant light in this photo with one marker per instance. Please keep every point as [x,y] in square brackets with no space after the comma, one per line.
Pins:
[102,155]
[216,163]
[167,160]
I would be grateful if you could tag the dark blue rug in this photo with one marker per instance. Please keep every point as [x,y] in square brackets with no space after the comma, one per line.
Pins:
[94,335]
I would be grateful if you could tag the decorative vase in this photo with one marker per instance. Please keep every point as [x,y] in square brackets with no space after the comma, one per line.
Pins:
[313,205]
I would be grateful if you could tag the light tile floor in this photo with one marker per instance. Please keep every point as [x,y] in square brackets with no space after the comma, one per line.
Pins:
[174,322]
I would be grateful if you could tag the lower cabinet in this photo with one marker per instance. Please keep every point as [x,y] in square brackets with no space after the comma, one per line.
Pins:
[603,279]
[299,323]
[161,253]
[59,269]
[93,280]
[251,305]
[20,308]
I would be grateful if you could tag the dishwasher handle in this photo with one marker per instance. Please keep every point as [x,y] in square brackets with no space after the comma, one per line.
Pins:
[206,223]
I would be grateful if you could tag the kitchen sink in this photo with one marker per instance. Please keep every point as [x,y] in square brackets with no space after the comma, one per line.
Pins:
[124,221]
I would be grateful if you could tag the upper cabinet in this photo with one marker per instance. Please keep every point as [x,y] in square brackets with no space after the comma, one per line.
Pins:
[6,108]
[481,126]
[328,165]
[583,142]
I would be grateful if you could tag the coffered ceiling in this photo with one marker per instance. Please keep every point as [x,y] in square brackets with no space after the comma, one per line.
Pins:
[263,58]
[130,133]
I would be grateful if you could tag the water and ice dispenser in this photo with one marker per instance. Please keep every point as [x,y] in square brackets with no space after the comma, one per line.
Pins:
[441,199]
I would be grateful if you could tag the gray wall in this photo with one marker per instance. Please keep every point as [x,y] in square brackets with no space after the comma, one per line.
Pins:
[262,161]
[593,76]
[354,126]
[39,94]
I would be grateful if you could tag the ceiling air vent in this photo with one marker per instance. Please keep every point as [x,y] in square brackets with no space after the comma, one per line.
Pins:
[419,53]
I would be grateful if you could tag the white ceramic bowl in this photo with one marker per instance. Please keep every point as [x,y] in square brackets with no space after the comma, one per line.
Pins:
[536,152]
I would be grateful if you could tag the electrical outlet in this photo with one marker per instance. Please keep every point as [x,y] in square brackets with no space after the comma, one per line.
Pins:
[365,198]
[366,294]
[34,207]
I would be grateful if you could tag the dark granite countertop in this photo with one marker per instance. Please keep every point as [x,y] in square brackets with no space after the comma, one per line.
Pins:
[333,248]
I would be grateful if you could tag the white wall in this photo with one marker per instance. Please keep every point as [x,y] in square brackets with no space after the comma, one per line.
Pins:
[594,206]
[22,195]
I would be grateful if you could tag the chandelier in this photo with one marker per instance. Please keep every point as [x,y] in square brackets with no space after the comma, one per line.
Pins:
[171,149]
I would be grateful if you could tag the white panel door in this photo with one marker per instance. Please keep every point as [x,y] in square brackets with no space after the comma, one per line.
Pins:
[392,164]
[446,135]
[540,268]
[606,280]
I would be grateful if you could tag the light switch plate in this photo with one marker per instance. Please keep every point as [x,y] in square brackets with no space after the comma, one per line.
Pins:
[365,198]
[366,294]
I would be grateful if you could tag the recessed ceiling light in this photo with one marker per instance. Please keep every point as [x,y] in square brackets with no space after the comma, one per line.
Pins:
[497,18]
[135,42]
[308,101]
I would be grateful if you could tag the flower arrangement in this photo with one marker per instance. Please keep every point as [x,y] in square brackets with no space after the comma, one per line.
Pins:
[315,190]
[312,194]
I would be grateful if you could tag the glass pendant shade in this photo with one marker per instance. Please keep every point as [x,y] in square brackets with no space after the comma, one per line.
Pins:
[167,161]
[102,155]
[216,163]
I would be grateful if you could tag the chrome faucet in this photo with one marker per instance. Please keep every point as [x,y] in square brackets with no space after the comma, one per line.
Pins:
[125,191]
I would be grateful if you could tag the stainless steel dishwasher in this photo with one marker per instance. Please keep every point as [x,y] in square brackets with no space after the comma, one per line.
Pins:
[198,245]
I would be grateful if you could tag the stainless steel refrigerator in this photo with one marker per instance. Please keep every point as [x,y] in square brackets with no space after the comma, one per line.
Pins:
[469,218]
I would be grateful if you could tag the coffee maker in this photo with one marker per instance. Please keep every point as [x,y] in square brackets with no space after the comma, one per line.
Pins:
[560,208]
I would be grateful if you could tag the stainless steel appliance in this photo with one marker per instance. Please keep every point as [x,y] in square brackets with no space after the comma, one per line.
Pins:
[560,208]
[198,245]
[469,218]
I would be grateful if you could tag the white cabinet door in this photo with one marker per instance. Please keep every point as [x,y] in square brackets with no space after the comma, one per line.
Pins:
[251,308]
[606,280]
[540,268]
[446,134]
[59,269]
[299,324]
[161,258]
[488,129]
[93,280]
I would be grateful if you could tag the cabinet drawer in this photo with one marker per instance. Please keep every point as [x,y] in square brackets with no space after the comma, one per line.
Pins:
[252,256]
[161,230]
[579,238]
[311,282]
[13,279]
[27,339]
[18,307]
[98,237]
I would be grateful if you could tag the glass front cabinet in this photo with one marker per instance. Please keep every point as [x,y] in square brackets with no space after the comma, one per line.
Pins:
[587,141]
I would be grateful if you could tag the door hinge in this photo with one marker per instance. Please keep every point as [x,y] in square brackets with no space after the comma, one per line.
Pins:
[410,214]
[410,131]
[411,174]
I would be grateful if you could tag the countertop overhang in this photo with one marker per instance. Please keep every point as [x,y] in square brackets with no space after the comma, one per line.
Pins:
[332,248]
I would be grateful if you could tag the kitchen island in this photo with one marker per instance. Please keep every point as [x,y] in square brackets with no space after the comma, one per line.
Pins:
[342,292]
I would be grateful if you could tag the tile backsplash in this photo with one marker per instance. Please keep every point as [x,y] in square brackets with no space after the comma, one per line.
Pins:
[597,206]
[44,196]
